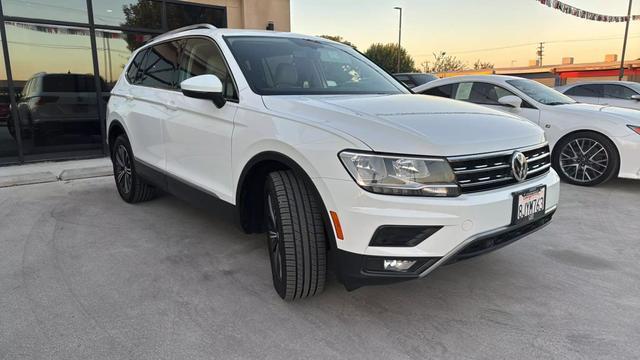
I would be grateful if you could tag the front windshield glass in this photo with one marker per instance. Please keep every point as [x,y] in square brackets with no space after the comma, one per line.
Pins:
[290,66]
[541,93]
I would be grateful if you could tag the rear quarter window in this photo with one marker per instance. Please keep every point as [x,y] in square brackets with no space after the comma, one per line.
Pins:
[134,67]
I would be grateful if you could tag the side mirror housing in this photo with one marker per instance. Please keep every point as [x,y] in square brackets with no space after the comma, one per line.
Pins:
[635,97]
[208,87]
[511,100]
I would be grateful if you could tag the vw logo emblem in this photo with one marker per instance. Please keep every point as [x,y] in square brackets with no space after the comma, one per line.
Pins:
[519,166]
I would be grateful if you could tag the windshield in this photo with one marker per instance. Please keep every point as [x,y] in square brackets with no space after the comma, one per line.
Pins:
[635,86]
[289,66]
[541,93]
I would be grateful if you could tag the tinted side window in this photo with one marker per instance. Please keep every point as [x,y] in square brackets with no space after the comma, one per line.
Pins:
[585,91]
[159,67]
[202,57]
[480,93]
[618,92]
[132,72]
[442,91]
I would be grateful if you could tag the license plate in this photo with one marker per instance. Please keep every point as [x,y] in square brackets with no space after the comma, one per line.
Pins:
[529,205]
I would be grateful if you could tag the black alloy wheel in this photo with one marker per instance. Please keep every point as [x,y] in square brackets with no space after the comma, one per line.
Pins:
[131,187]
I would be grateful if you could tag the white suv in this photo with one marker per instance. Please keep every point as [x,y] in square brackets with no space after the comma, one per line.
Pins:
[326,153]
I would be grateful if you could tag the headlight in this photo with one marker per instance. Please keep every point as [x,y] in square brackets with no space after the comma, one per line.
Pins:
[398,175]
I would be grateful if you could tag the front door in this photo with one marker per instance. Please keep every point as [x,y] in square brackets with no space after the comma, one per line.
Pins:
[197,133]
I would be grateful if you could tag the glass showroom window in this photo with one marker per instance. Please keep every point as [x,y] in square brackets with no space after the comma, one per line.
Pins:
[141,14]
[179,15]
[59,10]
[57,103]
[114,50]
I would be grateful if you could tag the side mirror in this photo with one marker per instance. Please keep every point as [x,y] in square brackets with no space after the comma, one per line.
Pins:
[635,97]
[511,100]
[208,87]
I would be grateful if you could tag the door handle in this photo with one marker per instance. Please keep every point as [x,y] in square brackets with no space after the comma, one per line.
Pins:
[171,106]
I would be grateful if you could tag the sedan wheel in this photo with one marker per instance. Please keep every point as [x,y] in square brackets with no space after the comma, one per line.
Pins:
[586,159]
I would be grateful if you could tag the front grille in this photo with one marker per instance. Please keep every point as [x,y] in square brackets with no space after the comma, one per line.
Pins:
[491,171]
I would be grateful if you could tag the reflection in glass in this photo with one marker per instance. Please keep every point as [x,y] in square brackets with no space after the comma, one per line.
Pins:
[144,14]
[57,107]
[8,143]
[61,10]
[114,50]
[179,15]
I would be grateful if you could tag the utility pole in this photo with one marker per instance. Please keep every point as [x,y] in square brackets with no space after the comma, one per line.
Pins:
[399,37]
[540,53]
[626,37]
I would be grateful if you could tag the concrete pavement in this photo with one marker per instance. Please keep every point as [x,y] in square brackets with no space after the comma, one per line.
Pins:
[84,275]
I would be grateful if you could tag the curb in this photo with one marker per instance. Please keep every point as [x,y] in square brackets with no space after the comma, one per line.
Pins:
[48,176]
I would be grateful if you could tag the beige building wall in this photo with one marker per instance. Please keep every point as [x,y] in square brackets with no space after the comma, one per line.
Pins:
[255,14]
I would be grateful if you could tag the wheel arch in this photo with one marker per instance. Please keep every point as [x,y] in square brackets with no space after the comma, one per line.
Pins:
[116,128]
[601,133]
[250,190]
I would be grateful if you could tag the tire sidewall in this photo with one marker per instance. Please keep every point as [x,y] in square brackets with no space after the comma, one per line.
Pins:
[280,285]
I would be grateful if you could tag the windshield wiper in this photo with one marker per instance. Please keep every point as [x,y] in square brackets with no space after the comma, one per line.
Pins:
[558,103]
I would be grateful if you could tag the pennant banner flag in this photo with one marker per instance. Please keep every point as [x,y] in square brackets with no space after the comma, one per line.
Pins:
[572,10]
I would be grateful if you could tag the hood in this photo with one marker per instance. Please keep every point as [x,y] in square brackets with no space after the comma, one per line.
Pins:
[611,112]
[412,124]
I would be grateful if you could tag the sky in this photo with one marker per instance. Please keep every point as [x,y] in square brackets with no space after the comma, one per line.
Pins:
[468,28]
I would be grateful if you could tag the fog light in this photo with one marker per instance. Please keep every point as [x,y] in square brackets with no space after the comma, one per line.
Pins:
[398,265]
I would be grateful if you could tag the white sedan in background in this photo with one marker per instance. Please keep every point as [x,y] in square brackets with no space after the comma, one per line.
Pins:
[615,93]
[591,143]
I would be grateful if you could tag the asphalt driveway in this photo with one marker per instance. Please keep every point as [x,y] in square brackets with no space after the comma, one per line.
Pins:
[85,276]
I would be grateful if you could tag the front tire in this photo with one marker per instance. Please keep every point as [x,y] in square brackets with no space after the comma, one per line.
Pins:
[131,187]
[296,236]
[586,158]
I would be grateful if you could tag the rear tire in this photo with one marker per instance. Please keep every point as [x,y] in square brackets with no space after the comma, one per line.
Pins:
[296,236]
[586,158]
[131,187]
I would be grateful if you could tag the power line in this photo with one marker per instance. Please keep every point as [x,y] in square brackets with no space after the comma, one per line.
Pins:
[531,44]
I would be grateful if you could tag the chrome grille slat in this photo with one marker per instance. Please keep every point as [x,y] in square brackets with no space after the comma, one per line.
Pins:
[471,171]
[542,168]
[493,170]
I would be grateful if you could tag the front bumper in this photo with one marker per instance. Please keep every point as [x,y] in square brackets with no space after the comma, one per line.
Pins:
[466,221]
[629,148]
[354,269]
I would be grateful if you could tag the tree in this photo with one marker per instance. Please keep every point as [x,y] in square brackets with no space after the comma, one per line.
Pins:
[443,63]
[386,56]
[339,39]
[482,65]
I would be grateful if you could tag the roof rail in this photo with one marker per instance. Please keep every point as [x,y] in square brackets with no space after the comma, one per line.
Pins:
[185,28]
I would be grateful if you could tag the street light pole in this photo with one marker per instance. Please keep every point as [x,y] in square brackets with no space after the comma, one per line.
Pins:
[626,37]
[399,37]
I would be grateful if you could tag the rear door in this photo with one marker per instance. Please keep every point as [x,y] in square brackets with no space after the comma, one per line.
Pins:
[150,103]
[588,93]
[197,133]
